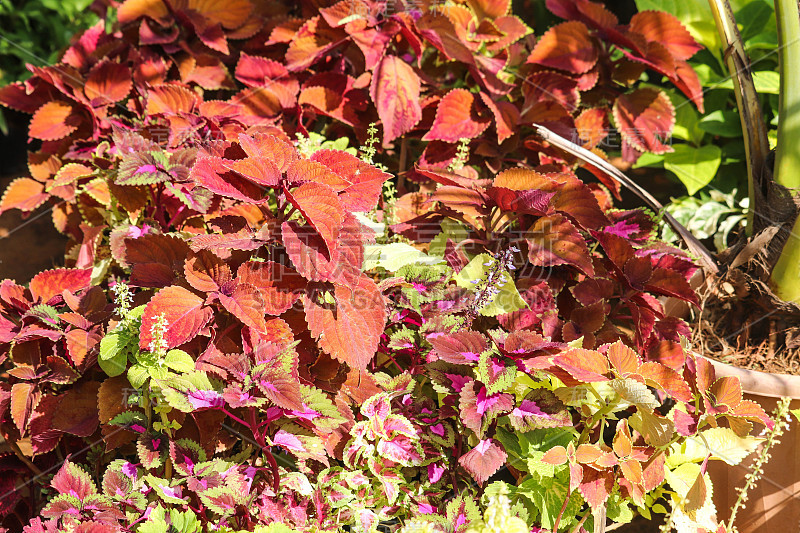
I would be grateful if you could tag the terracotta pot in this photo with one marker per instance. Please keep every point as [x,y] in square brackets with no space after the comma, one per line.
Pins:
[774,503]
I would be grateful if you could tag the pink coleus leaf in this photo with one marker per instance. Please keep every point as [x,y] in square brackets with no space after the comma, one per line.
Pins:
[484,460]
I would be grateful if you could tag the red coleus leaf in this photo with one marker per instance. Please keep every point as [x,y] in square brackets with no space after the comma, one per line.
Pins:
[246,304]
[591,13]
[49,284]
[549,85]
[553,240]
[206,272]
[260,170]
[183,311]
[214,174]
[457,117]
[24,194]
[280,286]
[366,180]
[665,28]
[358,313]
[74,481]
[671,283]
[584,365]
[257,71]
[278,151]
[439,31]
[506,116]
[80,343]
[321,208]
[310,257]
[312,41]
[155,260]
[108,82]
[459,348]
[54,121]
[77,413]
[483,460]
[645,119]
[395,90]
[566,46]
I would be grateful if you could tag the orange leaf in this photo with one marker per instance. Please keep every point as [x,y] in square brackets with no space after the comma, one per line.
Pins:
[170,99]
[108,82]
[321,208]
[566,46]
[624,360]
[395,92]
[553,240]
[247,305]
[490,8]
[583,365]
[667,380]
[665,28]
[132,10]
[457,118]
[350,329]
[54,121]
[645,119]
[205,271]
[280,286]
[24,194]
[229,13]
[183,311]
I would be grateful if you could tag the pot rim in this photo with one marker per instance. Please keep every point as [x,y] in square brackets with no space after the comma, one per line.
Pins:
[768,384]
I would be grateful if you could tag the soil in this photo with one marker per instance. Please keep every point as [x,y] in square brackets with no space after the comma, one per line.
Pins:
[31,244]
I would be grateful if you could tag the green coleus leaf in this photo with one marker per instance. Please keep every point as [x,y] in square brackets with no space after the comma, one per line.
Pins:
[494,374]
[152,449]
[179,361]
[392,257]
[221,500]
[138,375]
[507,300]
[167,492]
[113,357]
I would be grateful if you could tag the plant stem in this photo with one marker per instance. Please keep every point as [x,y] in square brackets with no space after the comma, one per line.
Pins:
[754,129]
[561,513]
[785,276]
[787,152]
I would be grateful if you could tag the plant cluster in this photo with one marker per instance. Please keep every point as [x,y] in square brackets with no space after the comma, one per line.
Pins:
[245,344]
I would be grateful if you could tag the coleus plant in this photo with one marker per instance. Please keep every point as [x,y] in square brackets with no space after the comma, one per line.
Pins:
[441,73]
